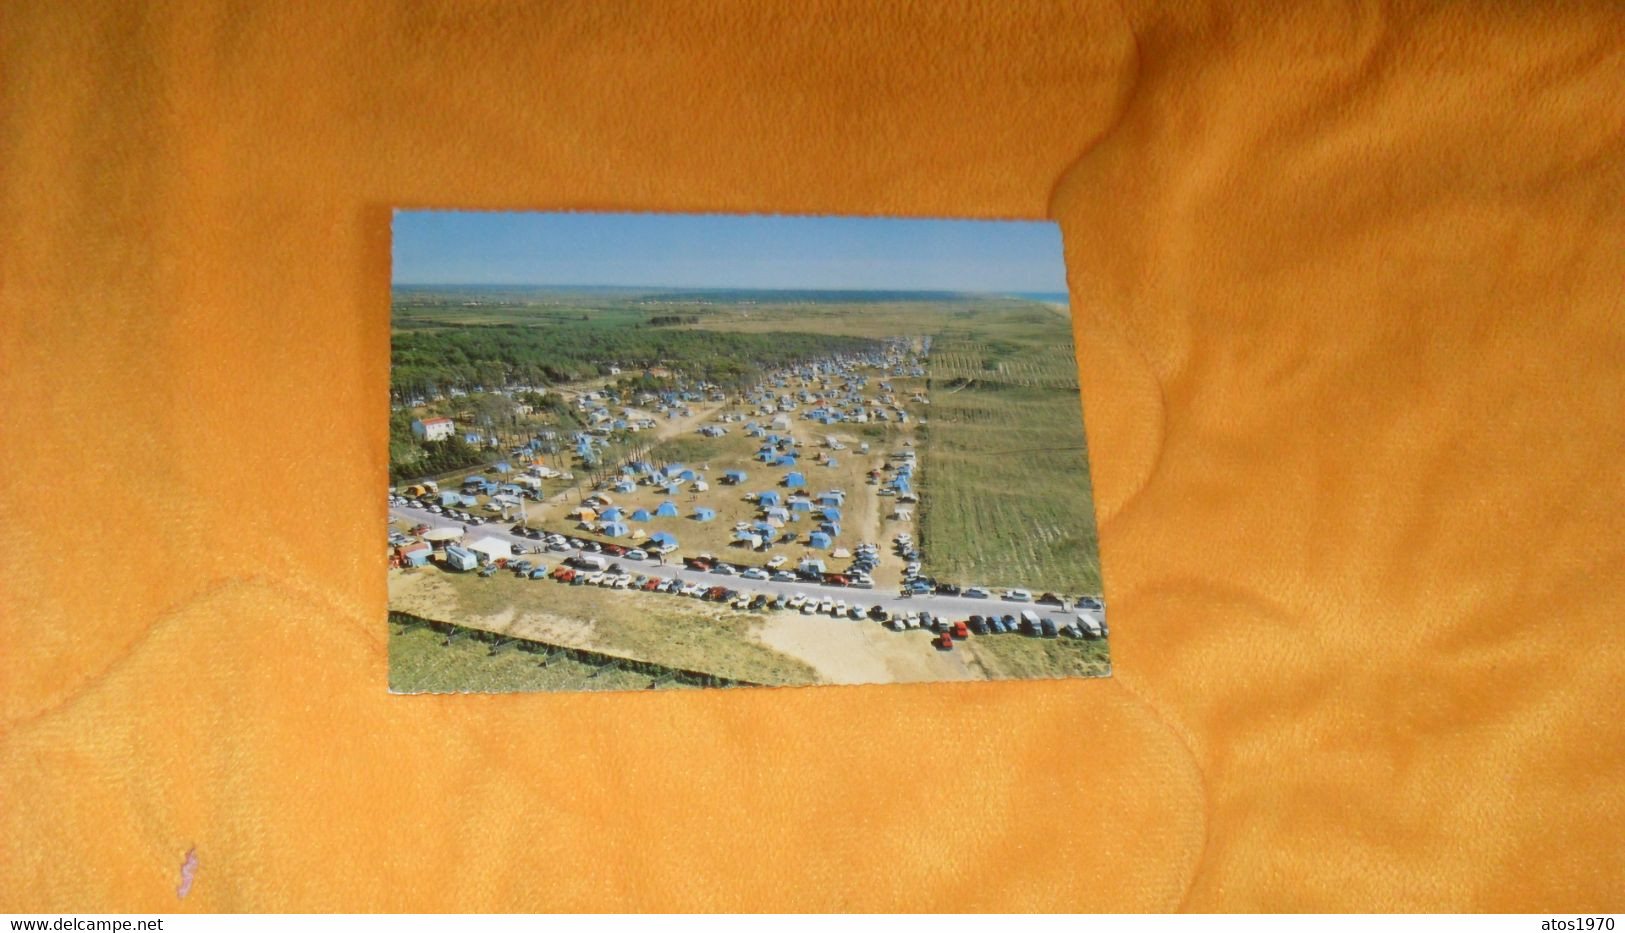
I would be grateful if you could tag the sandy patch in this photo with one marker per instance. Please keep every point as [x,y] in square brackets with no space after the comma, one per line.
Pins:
[847,652]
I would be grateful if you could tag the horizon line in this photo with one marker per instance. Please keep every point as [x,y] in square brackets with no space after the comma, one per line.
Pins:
[723,288]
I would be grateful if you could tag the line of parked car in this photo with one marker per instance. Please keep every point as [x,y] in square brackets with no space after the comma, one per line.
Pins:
[916,584]
[591,571]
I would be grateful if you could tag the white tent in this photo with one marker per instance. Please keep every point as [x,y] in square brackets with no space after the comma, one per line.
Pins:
[492,548]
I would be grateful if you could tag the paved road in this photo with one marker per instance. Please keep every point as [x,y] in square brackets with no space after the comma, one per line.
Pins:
[952,607]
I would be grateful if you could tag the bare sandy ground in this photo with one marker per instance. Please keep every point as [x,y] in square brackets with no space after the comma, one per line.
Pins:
[847,652]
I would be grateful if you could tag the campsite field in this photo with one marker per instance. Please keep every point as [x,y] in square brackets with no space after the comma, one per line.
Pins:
[993,419]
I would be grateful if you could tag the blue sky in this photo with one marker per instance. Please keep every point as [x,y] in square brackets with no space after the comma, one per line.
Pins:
[725,251]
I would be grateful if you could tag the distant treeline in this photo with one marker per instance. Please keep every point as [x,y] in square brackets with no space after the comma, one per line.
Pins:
[671,320]
[429,362]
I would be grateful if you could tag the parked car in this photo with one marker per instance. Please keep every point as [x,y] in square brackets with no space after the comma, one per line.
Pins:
[783,576]
[947,589]
[637,554]
[1047,627]
[538,573]
[826,605]
[1018,596]
[754,573]
[1050,599]
[944,642]
[976,592]
[776,562]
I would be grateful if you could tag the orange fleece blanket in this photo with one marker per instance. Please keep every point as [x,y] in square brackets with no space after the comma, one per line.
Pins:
[1347,281]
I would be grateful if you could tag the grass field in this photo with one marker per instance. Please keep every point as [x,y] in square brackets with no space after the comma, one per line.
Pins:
[1008,657]
[1004,478]
[422,660]
[683,634]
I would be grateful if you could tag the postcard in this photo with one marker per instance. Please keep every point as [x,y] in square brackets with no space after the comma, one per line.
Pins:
[668,451]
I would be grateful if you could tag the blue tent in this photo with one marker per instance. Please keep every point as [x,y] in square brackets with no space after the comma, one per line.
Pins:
[671,489]
[779,512]
[663,539]
[800,505]
[734,477]
[624,486]
[685,475]
[640,515]
[667,510]
[610,514]
[765,499]
[703,514]
[794,480]
[830,528]
[831,498]
[615,529]
[818,539]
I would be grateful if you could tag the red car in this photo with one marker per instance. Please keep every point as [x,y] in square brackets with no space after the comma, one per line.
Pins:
[614,550]
[694,563]
[944,642]
[960,631]
[650,584]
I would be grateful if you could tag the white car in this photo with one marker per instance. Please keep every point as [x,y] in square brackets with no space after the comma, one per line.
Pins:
[808,608]
[825,606]
[1018,596]
[911,621]
[796,601]
[595,578]
[692,589]
[913,569]
[740,602]
[840,607]
[776,562]
[754,573]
